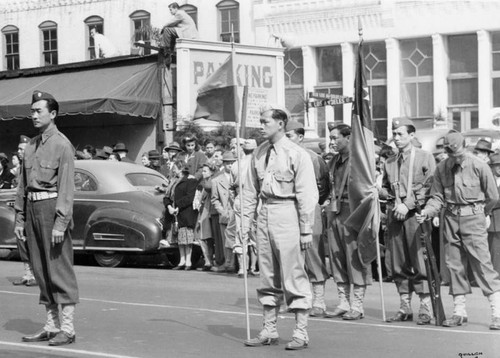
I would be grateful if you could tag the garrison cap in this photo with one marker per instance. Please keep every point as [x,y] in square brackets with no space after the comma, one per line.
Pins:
[293,125]
[401,121]
[228,157]
[484,145]
[495,158]
[39,96]
[453,141]
[173,146]
[24,139]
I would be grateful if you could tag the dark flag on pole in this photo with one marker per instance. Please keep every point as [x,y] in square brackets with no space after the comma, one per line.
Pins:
[218,96]
[363,193]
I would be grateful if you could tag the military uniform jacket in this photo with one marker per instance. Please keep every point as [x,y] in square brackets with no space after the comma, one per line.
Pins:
[48,165]
[289,175]
[467,183]
[423,170]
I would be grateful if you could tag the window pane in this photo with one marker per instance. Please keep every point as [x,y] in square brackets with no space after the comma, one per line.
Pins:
[463,91]
[463,53]
[495,41]
[496,61]
[379,101]
[330,64]
[425,68]
[409,69]
[409,99]
[425,99]
[380,129]
[496,92]
[380,71]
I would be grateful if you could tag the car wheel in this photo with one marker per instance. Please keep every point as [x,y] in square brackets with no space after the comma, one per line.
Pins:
[109,259]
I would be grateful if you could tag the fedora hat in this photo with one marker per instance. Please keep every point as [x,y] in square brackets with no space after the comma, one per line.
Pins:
[228,157]
[120,147]
[495,158]
[483,144]
[173,146]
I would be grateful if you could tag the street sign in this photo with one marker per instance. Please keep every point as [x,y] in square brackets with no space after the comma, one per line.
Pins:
[326,99]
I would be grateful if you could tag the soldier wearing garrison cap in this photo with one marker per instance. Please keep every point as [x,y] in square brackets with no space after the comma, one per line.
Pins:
[281,177]
[28,279]
[465,187]
[44,215]
[405,183]
[315,255]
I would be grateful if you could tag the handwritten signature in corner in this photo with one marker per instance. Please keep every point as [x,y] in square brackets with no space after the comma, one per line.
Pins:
[470,355]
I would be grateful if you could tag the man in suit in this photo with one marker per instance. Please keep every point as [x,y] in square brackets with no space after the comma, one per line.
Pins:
[222,201]
[181,25]
[122,151]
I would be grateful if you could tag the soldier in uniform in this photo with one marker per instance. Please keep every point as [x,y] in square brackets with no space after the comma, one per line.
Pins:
[346,266]
[44,209]
[405,183]
[465,187]
[281,175]
[28,278]
[315,256]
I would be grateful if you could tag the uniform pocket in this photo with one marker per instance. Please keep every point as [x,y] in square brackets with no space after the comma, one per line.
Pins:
[283,184]
[48,171]
[471,188]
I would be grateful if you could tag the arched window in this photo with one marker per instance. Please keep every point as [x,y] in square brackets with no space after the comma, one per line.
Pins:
[90,23]
[192,11]
[11,41]
[48,32]
[229,19]
[141,28]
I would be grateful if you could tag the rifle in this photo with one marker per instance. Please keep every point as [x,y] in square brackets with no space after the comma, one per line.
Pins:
[433,277]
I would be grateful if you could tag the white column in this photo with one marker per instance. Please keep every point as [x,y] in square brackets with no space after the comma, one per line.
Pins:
[484,84]
[183,76]
[347,78]
[393,81]
[440,72]
[310,80]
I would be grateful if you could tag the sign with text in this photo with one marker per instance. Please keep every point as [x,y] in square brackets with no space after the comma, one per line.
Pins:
[257,71]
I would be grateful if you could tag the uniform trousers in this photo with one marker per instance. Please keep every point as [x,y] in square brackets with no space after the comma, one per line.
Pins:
[346,265]
[281,260]
[52,264]
[494,245]
[408,265]
[315,255]
[467,244]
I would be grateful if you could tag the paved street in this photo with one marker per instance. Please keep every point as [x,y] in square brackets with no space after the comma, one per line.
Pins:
[155,312]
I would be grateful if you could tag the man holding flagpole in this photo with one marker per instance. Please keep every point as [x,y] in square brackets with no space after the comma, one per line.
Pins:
[281,175]
[406,182]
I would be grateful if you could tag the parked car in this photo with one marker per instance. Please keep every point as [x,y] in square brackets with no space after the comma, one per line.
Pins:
[472,136]
[117,211]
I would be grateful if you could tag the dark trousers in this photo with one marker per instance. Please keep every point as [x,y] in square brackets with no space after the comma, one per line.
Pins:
[52,264]
[218,240]
[24,252]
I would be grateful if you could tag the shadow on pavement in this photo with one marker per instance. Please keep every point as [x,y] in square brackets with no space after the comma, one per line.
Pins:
[23,326]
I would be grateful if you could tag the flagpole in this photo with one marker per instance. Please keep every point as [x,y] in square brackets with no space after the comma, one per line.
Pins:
[240,191]
[377,239]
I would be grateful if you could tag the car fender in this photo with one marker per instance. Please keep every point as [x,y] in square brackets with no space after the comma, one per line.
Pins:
[123,230]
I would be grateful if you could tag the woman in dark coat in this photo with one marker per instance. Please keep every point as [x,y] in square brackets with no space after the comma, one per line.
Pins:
[181,205]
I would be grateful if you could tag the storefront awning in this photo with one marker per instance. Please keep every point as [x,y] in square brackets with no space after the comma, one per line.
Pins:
[132,90]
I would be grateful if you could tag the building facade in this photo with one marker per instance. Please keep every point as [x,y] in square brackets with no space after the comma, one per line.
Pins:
[435,61]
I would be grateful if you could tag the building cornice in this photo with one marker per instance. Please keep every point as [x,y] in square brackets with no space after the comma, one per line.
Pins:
[10,6]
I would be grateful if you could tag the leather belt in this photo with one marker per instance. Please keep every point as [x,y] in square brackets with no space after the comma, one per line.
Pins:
[277,200]
[465,210]
[41,195]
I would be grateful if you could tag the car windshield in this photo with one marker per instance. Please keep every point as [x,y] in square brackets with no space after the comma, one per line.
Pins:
[145,179]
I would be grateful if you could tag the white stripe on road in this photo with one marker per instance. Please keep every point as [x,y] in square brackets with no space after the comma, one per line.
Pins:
[324,320]
[63,350]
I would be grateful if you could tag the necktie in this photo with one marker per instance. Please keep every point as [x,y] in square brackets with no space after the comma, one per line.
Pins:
[268,154]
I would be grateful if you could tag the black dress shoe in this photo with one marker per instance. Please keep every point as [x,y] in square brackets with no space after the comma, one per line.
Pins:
[40,336]
[455,321]
[61,339]
[188,268]
[401,317]
[181,267]
[20,282]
